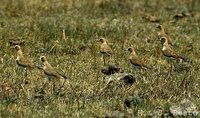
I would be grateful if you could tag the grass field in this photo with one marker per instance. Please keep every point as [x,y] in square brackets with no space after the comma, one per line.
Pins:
[40,23]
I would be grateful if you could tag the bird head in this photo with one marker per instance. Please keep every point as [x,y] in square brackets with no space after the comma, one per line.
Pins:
[163,39]
[43,58]
[17,47]
[160,26]
[131,49]
[102,40]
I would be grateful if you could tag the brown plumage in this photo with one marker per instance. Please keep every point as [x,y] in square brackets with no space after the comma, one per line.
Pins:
[52,74]
[16,42]
[105,49]
[135,60]
[49,70]
[180,15]
[168,51]
[162,33]
[151,18]
[21,60]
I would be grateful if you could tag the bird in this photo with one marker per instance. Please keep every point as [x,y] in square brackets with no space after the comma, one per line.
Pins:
[105,49]
[162,33]
[22,61]
[51,72]
[168,51]
[135,60]
[151,18]
[16,42]
[180,15]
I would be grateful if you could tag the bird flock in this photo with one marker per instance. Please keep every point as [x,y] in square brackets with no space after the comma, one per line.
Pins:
[107,55]
[167,50]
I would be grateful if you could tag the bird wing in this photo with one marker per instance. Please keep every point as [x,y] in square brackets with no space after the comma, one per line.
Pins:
[26,63]
[136,61]
[61,74]
[169,52]
[106,49]
[53,72]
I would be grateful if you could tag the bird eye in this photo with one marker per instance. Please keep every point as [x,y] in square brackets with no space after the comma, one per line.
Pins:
[162,39]
[16,47]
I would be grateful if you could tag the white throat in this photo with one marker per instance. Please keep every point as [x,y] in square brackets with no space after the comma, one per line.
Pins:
[18,58]
[164,48]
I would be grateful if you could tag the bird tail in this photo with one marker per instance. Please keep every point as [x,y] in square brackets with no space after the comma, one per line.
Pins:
[61,74]
[180,58]
[38,67]
[64,76]
[32,66]
[147,67]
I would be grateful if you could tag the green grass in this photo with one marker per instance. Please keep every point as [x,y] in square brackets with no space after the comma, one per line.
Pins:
[40,23]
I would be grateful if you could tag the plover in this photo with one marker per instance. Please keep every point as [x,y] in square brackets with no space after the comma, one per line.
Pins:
[135,60]
[105,49]
[162,33]
[22,61]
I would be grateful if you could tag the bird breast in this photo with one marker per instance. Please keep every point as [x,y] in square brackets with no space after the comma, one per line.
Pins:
[133,57]
[44,67]
[18,58]
[159,34]
[105,49]
[164,48]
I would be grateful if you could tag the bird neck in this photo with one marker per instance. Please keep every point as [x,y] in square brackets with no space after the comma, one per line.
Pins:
[165,45]
[47,65]
[104,43]
[133,54]
[19,54]
[162,30]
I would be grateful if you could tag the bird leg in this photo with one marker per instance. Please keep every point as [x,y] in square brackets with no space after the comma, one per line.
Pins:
[26,76]
[20,69]
[43,86]
[171,68]
[110,59]
[62,85]
[51,84]
[104,61]
[56,84]
[52,87]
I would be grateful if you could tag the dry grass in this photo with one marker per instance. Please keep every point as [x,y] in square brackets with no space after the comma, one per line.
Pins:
[40,23]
